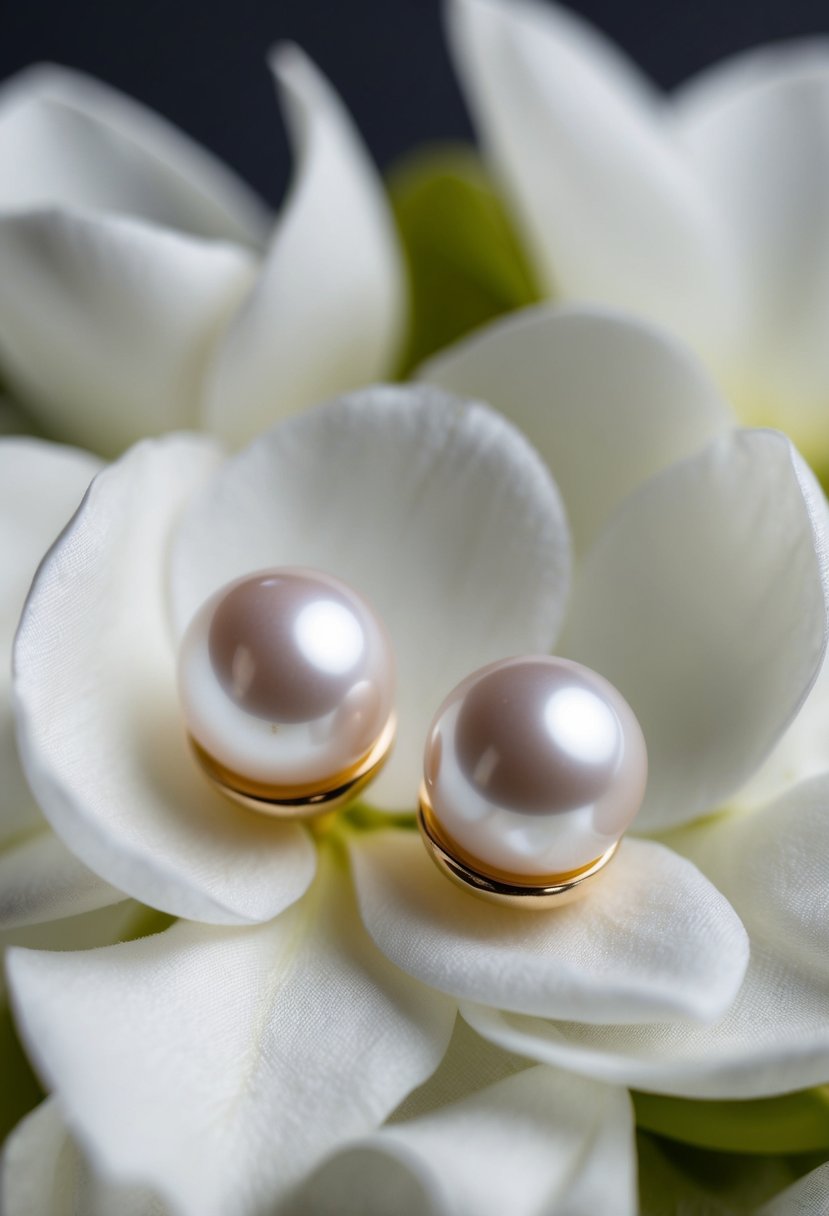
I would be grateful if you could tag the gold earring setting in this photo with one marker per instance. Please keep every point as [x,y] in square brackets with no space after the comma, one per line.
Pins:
[286,678]
[534,767]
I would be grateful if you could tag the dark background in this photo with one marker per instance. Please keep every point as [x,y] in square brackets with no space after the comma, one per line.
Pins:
[201,62]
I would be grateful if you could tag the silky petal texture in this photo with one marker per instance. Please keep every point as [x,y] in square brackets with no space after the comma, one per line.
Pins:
[40,880]
[806,1197]
[469,1064]
[70,141]
[611,209]
[433,508]
[653,940]
[40,487]
[44,1174]
[771,864]
[327,312]
[218,1066]
[757,130]
[84,931]
[540,1141]
[606,400]
[803,751]
[107,324]
[714,639]
[100,728]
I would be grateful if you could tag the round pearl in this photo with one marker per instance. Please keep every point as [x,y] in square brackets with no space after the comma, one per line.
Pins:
[535,766]
[286,678]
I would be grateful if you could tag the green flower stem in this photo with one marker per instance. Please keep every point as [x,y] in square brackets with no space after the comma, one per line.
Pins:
[791,1123]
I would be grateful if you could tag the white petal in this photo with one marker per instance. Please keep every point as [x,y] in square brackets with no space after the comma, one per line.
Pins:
[107,324]
[70,141]
[470,1063]
[40,880]
[802,752]
[101,732]
[606,400]
[327,312]
[40,488]
[82,931]
[45,1174]
[41,485]
[758,132]
[539,1141]
[772,866]
[434,508]
[806,1197]
[218,1066]
[610,208]
[704,601]
[653,940]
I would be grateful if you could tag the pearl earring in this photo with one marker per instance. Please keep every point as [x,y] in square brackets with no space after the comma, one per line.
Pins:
[534,768]
[286,678]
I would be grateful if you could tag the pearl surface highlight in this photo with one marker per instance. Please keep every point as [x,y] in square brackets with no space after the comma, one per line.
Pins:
[286,679]
[534,768]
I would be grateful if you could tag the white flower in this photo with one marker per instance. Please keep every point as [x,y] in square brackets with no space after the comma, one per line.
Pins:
[706,212]
[144,289]
[434,508]
[229,1059]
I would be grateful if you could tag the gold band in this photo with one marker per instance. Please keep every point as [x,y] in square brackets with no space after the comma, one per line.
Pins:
[299,801]
[542,891]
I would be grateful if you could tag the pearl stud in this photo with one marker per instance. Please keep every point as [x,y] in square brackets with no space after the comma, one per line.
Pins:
[286,679]
[534,768]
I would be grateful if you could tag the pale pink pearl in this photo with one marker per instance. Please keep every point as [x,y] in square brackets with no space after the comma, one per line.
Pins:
[286,677]
[535,765]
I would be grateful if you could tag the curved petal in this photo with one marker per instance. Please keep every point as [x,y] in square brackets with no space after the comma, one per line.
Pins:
[469,1064]
[609,206]
[771,864]
[106,324]
[44,1173]
[434,508]
[40,880]
[803,1197]
[539,1141]
[82,931]
[70,141]
[654,939]
[327,312]
[218,1066]
[757,130]
[773,1041]
[100,729]
[801,753]
[607,400]
[704,600]
[40,488]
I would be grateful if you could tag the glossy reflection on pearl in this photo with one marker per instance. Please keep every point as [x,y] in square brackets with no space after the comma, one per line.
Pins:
[286,679]
[534,768]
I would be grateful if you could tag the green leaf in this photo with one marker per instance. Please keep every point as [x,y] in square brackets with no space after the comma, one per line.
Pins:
[791,1123]
[466,264]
